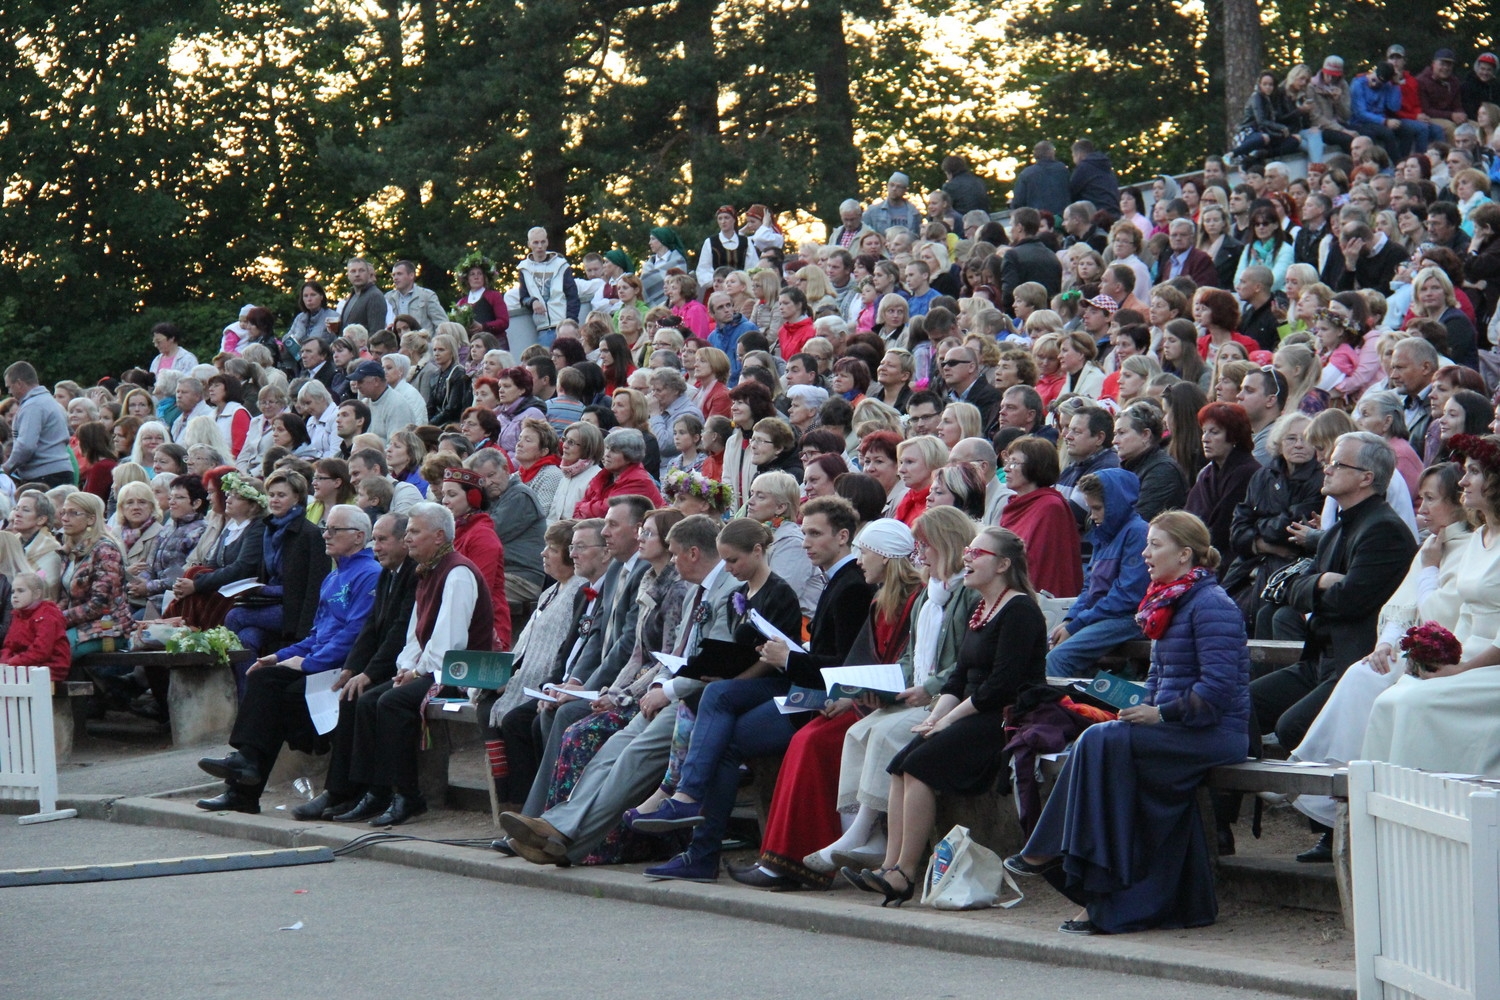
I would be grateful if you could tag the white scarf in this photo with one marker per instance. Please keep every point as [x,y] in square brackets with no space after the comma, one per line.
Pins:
[930,628]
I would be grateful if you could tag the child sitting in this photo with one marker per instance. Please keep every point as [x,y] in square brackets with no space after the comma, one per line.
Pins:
[38,636]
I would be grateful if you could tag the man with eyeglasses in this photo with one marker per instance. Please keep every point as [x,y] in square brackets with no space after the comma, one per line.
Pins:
[1263,395]
[621,537]
[961,373]
[1335,605]
[577,656]
[1370,258]
[274,707]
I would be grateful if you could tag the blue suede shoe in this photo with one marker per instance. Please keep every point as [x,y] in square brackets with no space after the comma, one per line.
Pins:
[684,869]
[673,815]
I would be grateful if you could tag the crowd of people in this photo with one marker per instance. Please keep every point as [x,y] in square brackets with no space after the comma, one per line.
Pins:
[1250,413]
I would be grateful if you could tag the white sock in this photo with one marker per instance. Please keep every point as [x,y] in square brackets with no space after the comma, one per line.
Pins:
[858,831]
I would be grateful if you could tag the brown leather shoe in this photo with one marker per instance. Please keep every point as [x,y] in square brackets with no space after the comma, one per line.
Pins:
[534,833]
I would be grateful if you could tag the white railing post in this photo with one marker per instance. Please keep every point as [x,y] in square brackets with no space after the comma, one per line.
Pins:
[28,756]
[1484,876]
[1364,877]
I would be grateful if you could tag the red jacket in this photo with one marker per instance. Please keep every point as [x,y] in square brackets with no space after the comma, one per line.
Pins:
[795,335]
[1045,523]
[716,402]
[38,637]
[631,479]
[475,539]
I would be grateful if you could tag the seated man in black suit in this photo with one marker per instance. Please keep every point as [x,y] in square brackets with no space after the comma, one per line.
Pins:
[961,372]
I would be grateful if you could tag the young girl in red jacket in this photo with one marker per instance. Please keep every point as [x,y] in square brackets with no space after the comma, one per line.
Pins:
[38,636]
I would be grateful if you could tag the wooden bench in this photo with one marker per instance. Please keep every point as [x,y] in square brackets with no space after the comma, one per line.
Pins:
[197,689]
[1266,655]
[447,730]
[64,710]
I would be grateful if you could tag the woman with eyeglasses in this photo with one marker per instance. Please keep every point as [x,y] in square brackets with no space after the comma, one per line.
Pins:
[331,485]
[1267,246]
[179,536]
[956,748]
[1042,517]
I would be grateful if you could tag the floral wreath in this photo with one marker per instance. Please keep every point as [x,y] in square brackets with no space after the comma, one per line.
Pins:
[1429,646]
[473,259]
[1338,320]
[1478,448]
[236,484]
[680,482]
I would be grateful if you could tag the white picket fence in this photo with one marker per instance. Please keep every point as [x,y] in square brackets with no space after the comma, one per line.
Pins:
[1426,873]
[28,756]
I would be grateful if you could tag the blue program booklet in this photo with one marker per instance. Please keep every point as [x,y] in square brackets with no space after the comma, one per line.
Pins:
[1116,691]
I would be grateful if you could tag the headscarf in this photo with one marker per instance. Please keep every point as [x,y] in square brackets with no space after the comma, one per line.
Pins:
[620,259]
[669,239]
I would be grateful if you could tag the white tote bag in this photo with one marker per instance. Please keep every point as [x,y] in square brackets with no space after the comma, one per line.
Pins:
[963,874]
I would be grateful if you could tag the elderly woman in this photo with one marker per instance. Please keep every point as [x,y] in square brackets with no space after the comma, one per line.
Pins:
[32,518]
[773,448]
[775,501]
[403,455]
[479,426]
[1229,451]
[223,394]
[537,460]
[92,600]
[917,459]
[961,485]
[273,401]
[136,526]
[233,553]
[1383,412]
[621,473]
[1134,781]
[517,405]
[1125,243]
[682,300]
[293,564]
[582,447]
[187,504]
[1042,517]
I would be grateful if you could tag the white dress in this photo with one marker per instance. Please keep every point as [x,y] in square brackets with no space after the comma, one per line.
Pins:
[1450,724]
[1427,594]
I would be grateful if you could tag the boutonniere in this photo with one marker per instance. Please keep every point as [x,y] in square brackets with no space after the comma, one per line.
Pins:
[585,625]
[739,602]
[701,614]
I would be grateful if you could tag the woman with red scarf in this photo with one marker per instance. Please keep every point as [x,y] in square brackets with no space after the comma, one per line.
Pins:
[475,538]
[1120,835]
[621,473]
[538,462]
[1042,517]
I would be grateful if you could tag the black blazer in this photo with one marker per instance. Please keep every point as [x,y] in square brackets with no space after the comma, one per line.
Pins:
[1227,260]
[986,397]
[304,563]
[841,613]
[384,633]
[324,374]
[239,560]
[1372,547]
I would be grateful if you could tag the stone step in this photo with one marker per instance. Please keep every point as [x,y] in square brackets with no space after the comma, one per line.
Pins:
[1280,881]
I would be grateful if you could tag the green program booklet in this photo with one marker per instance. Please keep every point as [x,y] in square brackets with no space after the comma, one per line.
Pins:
[476,668]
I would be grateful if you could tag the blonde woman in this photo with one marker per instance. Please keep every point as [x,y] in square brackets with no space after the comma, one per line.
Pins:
[136,526]
[765,286]
[775,500]
[93,599]
[1433,298]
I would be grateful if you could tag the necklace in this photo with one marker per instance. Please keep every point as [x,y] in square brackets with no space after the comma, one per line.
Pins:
[976,622]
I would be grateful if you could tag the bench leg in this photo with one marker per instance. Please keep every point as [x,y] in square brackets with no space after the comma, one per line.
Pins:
[1342,863]
[202,704]
[432,764]
[62,728]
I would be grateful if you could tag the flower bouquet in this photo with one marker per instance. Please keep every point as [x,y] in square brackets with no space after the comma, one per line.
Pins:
[1430,648]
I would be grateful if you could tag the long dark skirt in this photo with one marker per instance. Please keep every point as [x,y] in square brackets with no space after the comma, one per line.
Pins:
[1124,817]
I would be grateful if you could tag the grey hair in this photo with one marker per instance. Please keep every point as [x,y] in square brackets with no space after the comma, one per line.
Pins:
[1387,403]
[667,378]
[501,358]
[190,383]
[167,380]
[823,324]
[1184,223]
[356,515]
[1374,455]
[850,205]
[628,442]
[401,361]
[314,391]
[976,217]
[434,516]
[1418,349]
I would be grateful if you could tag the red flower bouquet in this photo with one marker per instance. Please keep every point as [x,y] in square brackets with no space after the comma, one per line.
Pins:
[1430,647]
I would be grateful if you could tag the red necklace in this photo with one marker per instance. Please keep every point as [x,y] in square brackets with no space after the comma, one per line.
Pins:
[976,622]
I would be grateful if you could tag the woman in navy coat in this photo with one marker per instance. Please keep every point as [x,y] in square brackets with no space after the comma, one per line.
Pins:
[1121,834]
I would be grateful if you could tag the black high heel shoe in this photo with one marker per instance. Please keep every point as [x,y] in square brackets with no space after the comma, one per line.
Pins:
[879,884]
[856,878]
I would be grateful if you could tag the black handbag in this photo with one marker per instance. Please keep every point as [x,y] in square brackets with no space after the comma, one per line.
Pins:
[1276,586]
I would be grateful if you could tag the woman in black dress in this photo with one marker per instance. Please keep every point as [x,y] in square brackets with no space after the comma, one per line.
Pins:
[957,747]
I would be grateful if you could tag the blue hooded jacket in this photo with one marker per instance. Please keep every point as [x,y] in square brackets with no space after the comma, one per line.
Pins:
[1117,576]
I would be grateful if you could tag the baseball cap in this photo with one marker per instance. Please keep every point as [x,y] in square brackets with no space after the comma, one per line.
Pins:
[1333,66]
[368,369]
[1104,302]
[1396,50]
[1444,55]
[1488,59]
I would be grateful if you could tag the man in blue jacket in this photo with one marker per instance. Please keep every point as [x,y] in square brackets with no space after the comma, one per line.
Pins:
[274,708]
[1375,110]
[1103,616]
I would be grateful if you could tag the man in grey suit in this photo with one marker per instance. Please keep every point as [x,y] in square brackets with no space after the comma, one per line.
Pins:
[408,298]
[622,523]
[631,763]
[365,305]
